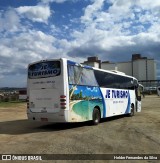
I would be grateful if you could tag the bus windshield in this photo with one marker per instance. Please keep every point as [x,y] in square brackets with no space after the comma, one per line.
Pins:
[44,69]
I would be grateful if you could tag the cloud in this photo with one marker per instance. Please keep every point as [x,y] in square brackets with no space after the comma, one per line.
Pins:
[91,11]
[35,13]
[113,48]
[112,33]
[9,21]
[94,89]
[26,47]
[18,51]
[148,5]
[121,9]
[122,29]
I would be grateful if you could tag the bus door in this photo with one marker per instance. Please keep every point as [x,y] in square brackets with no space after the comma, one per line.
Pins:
[138,99]
[158,90]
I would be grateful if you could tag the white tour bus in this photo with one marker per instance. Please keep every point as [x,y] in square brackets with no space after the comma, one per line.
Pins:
[64,91]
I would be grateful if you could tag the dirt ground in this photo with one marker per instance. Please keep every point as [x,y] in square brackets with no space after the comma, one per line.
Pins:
[118,135]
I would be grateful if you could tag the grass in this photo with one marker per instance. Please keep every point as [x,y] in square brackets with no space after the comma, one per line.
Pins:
[11,103]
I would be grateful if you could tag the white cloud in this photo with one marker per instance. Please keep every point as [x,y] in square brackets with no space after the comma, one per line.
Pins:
[120,19]
[114,33]
[149,4]
[121,16]
[155,29]
[18,51]
[91,11]
[94,89]
[35,13]
[9,21]
[121,9]
[26,47]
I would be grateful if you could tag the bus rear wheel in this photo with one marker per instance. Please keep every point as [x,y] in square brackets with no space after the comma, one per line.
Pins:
[96,116]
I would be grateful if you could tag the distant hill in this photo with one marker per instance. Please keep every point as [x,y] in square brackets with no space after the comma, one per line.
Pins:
[10,89]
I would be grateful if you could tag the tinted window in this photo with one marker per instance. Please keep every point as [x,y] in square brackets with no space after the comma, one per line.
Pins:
[44,69]
[109,80]
[81,76]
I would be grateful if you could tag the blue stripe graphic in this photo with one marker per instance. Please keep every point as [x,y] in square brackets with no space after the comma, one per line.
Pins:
[129,104]
[104,105]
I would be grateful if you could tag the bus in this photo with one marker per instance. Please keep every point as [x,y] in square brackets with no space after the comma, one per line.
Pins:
[61,90]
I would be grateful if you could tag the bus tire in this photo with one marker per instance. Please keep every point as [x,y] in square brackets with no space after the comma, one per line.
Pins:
[96,117]
[131,114]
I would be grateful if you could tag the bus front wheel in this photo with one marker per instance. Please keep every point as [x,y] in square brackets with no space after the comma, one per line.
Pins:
[132,111]
[96,116]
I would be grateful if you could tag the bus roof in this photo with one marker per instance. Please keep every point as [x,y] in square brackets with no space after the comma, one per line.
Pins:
[86,66]
[94,68]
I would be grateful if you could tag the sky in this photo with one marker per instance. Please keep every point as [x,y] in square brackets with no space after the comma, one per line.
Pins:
[113,30]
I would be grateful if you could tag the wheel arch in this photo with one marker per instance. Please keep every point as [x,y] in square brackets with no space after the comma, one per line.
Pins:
[132,105]
[98,109]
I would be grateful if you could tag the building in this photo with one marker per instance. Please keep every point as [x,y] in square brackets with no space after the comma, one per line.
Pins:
[23,94]
[93,61]
[141,68]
